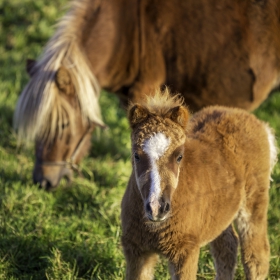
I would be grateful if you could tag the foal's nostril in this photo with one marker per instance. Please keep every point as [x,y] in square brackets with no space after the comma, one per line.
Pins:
[166,207]
[148,208]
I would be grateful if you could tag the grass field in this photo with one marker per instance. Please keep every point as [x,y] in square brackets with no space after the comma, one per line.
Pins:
[74,233]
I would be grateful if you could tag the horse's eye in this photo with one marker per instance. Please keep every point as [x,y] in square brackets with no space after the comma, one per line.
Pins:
[136,156]
[179,158]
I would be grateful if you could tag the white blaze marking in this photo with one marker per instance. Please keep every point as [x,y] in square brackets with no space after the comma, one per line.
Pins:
[155,147]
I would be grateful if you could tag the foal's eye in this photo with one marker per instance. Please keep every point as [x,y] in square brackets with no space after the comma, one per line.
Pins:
[179,158]
[136,157]
[64,125]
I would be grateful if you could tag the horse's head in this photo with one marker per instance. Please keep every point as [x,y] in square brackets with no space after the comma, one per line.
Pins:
[57,155]
[157,150]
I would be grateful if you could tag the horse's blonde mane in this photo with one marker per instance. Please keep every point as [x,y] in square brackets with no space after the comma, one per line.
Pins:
[39,100]
[159,101]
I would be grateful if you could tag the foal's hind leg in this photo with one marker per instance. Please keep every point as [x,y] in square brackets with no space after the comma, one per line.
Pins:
[252,229]
[224,252]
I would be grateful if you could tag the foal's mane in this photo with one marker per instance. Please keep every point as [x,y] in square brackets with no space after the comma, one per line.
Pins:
[160,102]
[40,99]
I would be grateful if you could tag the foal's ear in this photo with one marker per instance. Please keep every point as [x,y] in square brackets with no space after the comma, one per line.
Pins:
[30,63]
[136,114]
[179,115]
[63,81]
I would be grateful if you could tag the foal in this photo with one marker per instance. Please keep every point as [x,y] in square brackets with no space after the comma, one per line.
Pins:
[191,180]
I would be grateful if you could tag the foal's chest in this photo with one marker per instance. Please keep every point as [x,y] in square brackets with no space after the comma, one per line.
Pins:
[168,242]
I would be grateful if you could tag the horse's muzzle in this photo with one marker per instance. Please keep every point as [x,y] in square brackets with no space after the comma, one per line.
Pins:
[49,178]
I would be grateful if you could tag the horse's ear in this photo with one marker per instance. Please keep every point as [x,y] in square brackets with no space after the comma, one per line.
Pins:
[136,114]
[179,115]
[63,81]
[30,63]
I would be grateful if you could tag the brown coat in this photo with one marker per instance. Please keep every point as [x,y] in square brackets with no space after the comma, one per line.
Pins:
[211,51]
[224,176]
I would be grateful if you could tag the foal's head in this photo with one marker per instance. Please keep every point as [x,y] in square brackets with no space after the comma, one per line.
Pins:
[58,153]
[158,137]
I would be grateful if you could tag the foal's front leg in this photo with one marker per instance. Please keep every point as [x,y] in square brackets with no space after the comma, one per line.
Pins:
[140,267]
[186,267]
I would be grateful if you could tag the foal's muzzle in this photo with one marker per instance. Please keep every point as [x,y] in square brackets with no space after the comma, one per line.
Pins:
[158,211]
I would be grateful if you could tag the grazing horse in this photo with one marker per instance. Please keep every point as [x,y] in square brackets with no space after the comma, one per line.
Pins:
[57,158]
[192,178]
[212,52]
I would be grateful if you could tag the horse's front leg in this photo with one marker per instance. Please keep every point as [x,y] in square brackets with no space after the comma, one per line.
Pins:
[186,267]
[140,267]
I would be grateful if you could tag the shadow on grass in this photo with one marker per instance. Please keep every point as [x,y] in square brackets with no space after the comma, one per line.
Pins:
[31,257]
[25,256]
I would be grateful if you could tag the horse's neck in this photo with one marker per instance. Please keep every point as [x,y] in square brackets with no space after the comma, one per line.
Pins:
[110,39]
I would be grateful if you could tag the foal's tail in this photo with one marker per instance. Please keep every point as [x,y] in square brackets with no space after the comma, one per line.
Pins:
[272,146]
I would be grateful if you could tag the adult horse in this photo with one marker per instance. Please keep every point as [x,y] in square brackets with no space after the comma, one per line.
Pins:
[213,52]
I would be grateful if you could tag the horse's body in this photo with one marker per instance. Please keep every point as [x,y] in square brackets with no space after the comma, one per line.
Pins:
[190,181]
[212,52]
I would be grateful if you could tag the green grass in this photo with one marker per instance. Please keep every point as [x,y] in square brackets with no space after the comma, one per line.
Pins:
[74,233]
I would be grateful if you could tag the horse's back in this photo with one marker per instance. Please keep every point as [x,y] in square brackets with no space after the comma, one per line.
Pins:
[212,50]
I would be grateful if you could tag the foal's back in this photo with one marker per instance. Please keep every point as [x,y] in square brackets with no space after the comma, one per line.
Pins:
[234,148]
[235,134]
